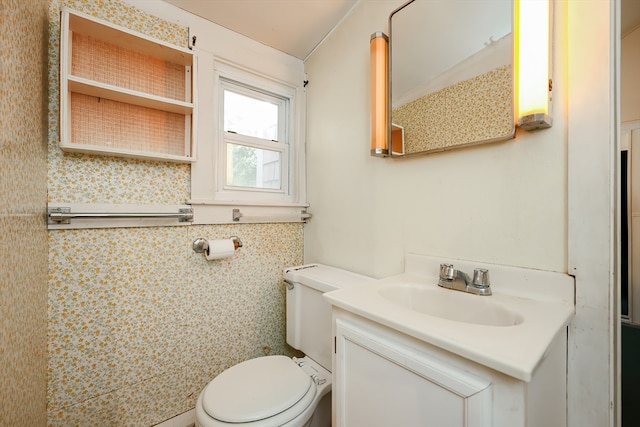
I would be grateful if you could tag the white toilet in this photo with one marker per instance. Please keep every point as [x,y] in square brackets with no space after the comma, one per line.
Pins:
[276,391]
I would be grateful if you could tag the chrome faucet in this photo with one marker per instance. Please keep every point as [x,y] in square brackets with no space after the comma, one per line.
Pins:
[451,278]
[457,280]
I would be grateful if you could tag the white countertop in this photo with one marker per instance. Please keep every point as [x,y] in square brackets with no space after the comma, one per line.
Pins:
[544,301]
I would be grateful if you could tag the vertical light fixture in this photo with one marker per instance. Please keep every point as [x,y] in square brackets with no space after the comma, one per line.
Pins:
[380,110]
[532,63]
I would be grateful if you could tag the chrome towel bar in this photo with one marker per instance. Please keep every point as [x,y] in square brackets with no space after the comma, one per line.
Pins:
[64,215]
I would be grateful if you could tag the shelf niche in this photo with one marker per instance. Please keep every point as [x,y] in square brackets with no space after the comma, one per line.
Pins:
[123,93]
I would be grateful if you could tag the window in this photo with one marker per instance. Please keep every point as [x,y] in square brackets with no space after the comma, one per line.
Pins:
[256,146]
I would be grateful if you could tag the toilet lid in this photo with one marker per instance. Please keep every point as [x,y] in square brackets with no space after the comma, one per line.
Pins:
[255,389]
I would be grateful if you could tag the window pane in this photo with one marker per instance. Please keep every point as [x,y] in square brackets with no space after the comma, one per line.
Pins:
[253,167]
[250,116]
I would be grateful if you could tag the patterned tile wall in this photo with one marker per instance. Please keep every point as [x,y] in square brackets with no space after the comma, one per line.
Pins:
[476,109]
[138,322]
[23,194]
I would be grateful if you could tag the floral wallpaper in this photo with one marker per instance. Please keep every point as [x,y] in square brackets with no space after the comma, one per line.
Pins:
[23,193]
[477,109]
[138,323]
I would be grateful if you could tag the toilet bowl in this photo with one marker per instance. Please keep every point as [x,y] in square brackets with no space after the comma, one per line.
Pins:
[273,391]
[265,392]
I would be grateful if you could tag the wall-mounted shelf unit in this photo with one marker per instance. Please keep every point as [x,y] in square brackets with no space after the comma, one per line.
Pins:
[123,93]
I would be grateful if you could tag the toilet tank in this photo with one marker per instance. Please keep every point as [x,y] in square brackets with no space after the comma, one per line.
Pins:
[308,314]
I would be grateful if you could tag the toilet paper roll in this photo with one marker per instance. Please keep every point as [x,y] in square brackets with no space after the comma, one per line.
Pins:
[219,249]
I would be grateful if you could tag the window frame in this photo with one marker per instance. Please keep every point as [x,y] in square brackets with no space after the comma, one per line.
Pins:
[211,203]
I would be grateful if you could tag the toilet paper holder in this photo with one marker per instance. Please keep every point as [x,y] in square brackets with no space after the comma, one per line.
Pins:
[201,245]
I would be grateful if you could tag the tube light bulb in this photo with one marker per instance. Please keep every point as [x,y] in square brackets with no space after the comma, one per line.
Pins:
[380,114]
[532,63]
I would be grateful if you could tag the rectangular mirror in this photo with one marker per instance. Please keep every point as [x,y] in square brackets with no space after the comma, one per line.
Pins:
[451,73]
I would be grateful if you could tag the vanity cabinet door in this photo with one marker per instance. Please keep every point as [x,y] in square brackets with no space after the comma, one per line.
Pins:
[379,381]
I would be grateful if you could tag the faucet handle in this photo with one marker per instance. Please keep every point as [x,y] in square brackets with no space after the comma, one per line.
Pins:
[446,271]
[481,278]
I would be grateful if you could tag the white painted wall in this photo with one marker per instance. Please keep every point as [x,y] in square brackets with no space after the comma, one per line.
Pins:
[630,79]
[592,50]
[505,203]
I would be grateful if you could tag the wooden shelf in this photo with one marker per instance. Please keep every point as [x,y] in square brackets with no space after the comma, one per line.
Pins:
[114,93]
[133,154]
[125,38]
[123,93]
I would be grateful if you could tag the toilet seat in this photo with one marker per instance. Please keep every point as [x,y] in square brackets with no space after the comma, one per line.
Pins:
[265,391]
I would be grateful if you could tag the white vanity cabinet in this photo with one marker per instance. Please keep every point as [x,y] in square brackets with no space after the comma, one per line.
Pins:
[383,378]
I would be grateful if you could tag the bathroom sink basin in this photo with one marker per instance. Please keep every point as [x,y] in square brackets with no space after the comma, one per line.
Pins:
[449,304]
[510,331]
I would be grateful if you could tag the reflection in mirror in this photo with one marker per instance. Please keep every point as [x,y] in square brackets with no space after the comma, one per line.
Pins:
[451,73]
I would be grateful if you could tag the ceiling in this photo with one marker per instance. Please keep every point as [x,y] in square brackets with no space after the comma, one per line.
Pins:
[296,27]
